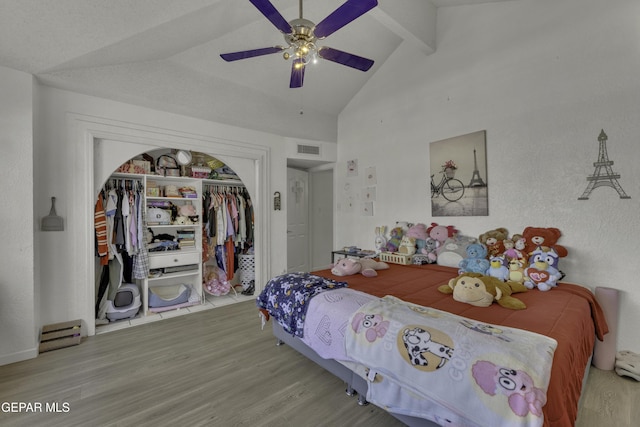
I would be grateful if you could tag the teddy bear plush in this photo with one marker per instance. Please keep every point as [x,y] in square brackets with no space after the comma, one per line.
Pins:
[542,271]
[476,259]
[493,240]
[366,266]
[481,291]
[544,237]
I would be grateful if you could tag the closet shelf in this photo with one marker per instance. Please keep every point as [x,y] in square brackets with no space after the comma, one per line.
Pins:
[172,225]
[170,198]
[195,250]
[174,275]
[233,182]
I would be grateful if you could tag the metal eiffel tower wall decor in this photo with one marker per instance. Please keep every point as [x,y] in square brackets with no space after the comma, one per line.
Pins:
[603,175]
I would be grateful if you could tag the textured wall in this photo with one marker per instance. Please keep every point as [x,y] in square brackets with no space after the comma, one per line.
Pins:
[542,79]
[17,316]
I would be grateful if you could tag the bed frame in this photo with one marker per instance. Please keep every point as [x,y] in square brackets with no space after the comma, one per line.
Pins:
[355,384]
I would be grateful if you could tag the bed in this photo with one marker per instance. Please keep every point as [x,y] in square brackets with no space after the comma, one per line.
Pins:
[568,314]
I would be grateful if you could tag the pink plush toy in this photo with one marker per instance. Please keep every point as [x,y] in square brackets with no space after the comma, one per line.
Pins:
[440,233]
[365,266]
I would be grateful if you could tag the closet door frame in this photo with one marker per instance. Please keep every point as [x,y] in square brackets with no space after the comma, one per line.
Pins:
[91,172]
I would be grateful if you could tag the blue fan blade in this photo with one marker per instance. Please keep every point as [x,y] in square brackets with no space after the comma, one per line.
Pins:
[272,14]
[234,56]
[344,58]
[297,73]
[340,17]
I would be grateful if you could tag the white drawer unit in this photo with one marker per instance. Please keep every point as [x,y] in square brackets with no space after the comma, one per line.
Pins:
[173,259]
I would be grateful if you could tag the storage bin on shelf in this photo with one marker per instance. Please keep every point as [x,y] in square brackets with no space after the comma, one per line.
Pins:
[395,258]
[200,171]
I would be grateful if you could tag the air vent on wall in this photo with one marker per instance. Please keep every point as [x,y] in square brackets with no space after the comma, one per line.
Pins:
[309,149]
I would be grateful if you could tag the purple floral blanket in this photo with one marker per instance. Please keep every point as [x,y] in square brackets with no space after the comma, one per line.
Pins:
[286,298]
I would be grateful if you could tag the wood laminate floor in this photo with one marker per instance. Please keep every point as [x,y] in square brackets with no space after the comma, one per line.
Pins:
[217,368]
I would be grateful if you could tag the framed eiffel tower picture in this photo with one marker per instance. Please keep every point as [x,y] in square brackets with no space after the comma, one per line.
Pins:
[458,169]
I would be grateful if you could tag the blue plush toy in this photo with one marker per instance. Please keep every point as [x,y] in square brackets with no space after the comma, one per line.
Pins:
[498,268]
[476,260]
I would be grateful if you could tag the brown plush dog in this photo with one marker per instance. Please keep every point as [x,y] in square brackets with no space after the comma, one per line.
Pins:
[481,291]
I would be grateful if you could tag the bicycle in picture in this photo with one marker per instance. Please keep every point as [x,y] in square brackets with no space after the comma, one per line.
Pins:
[451,188]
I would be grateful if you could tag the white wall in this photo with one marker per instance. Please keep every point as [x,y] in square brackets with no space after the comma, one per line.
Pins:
[18,334]
[543,78]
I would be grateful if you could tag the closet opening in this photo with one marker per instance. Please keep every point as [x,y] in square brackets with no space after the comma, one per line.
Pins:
[174,234]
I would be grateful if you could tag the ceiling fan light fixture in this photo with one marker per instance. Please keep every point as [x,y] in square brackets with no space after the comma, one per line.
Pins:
[301,36]
[302,42]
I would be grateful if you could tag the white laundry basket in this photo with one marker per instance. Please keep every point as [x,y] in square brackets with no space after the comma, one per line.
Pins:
[247,269]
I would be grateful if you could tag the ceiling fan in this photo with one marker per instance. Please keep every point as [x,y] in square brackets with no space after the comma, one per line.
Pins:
[301,36]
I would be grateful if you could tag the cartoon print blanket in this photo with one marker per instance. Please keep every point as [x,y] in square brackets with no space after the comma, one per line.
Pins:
[449,369]
[328,319]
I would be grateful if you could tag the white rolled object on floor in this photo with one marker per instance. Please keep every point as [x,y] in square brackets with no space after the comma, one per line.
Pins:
[604,355]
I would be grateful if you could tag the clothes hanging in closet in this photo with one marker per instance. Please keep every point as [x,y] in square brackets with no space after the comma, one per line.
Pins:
[226,225]
[119,236]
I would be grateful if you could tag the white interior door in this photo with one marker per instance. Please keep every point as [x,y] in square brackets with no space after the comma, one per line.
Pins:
[320,218]
[297,220]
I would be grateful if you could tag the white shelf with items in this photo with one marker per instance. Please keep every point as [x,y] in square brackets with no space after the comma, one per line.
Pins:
[174,209]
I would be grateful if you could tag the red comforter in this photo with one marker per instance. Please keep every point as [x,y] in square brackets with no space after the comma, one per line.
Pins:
[569,313]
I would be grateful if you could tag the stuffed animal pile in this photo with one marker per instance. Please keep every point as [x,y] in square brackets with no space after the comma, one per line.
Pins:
[529,258]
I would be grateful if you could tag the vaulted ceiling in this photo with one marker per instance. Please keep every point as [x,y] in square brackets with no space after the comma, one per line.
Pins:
[166,54]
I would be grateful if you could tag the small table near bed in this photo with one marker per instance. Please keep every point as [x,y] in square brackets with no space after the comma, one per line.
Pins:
[357,254]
